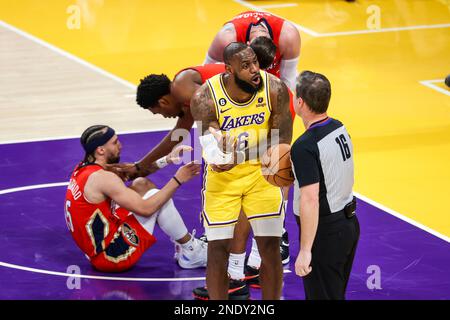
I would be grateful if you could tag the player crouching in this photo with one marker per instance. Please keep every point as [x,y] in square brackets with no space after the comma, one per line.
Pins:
[113,224]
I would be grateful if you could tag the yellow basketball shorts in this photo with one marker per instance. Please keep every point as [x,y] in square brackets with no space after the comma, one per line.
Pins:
[224,194]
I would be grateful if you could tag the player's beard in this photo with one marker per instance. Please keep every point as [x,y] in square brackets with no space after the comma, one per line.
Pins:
[247,87]
[113,159]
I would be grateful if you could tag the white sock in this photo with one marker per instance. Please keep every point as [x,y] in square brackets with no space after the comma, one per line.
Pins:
[254,260]
[170,221]
[236,266]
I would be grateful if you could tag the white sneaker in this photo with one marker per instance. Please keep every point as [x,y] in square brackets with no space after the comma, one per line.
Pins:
[194,256]
[177,246]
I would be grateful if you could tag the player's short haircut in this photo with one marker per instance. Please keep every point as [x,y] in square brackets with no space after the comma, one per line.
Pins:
[315,90]
[232,49]
[151,89]
[265,51]
[89,135]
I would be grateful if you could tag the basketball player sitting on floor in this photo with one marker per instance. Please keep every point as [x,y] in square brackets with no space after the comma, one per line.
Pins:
[112,223]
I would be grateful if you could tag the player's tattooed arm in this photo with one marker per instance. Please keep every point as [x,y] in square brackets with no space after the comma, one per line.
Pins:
[203,110]
[280,118]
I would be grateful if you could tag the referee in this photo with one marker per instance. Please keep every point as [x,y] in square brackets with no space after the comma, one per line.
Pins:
[324,206]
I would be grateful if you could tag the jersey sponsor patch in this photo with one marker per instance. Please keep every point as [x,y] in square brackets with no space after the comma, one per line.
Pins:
[260,103]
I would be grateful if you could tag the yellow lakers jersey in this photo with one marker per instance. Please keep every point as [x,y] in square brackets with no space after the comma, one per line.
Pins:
[248,122]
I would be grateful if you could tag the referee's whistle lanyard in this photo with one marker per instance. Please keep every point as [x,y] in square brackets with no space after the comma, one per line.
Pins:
[320,123]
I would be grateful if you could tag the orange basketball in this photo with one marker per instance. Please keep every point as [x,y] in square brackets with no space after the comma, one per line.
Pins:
[276,165]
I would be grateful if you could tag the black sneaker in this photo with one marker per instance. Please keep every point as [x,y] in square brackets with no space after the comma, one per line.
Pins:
[252,277]
[238,290]
[284,248]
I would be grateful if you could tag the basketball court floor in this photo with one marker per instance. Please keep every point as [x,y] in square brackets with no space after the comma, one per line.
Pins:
[65,65]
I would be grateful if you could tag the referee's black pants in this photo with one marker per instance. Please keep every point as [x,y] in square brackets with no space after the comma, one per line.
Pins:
[332,258]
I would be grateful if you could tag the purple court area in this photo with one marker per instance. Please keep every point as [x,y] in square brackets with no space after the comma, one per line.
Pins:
[36,248]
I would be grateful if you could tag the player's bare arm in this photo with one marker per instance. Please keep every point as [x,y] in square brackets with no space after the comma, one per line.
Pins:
[183,88]
[106,184]
[290,41]
[280,118]
[225,36]
[147,165]
[204,113]
[203,110]
[130,171]
[289,46]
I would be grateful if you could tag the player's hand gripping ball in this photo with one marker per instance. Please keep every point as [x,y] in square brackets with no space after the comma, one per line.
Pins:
[276,165]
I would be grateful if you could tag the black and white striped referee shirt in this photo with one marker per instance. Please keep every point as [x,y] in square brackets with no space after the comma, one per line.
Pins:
[324,154]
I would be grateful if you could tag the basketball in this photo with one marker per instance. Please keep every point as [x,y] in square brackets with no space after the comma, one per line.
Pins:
[276,166]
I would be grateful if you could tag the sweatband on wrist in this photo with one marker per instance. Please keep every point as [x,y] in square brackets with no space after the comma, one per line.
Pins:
[161,162]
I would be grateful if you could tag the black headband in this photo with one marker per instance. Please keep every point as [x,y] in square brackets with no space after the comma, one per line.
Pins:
[99,141]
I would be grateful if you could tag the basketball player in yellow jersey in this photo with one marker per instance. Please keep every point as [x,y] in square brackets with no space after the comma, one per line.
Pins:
[239,105]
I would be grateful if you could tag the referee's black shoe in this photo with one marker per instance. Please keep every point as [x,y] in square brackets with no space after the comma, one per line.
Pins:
[238,290]
[284,248]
